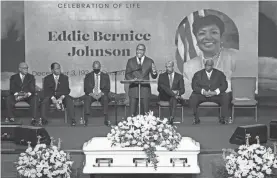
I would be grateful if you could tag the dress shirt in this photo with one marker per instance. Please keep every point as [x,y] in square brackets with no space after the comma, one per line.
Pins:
[21,77]
[209,74]
[98,82]
[142,59]
[56,77]
[173,73]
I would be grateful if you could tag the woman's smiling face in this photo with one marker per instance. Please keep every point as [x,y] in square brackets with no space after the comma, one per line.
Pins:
[209,38]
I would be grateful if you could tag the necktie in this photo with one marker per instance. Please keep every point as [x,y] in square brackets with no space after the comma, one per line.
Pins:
[140,65]
[22,79]
[209,75]
[56,82]
[170,80]
[96,84]
[139,62]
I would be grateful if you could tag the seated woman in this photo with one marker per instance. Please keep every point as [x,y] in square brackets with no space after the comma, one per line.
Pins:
[208,31]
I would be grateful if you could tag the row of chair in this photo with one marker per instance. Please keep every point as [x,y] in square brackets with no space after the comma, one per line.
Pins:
[243,96]
[243,93]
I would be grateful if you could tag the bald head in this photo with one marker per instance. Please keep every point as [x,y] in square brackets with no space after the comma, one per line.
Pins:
[96,67]
[209,65]
[169,67]
[23,68]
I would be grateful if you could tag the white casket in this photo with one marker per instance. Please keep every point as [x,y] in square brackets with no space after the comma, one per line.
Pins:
[101,158]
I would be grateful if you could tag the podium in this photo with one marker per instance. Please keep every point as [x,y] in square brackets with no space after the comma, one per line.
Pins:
[139,82]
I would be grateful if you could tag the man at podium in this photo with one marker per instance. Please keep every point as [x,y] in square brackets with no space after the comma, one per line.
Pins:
[140,67]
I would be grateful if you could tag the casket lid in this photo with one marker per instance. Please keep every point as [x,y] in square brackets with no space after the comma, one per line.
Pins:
[103,144]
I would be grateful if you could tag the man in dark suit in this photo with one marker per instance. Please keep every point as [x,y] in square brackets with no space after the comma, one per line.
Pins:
[209,85]
[22,88]
[139,67]
[97,86]
[56,90]
[171,87]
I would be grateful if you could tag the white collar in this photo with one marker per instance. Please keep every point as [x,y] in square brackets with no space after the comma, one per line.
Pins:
[21,75]
[56,76]
[142,59]
[172,73]
[209,72]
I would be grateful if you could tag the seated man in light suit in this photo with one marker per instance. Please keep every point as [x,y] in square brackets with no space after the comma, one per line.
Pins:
[171,87]
[22,88]
[209,85]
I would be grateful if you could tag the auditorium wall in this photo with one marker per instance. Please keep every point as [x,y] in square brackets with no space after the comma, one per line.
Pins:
[157,22]
[267,49]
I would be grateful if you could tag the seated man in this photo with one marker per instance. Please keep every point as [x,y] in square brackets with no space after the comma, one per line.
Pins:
[56,91]
[209,85]
[22,88]
[97,87]
[171,87]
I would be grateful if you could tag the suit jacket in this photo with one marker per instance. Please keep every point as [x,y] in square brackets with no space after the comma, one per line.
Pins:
[132,72]
[28,85]
[89,83]
[200,81]
[165,92]
[49,86]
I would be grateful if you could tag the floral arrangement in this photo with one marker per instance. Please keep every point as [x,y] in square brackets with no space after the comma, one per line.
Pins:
[145,131]
[44,161]
[250,161]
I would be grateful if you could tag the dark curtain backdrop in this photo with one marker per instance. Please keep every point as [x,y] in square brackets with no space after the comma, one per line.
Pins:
[12,35]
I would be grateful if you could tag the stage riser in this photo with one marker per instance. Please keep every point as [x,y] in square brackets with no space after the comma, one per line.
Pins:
[21,134]
[206,112]
[273,130]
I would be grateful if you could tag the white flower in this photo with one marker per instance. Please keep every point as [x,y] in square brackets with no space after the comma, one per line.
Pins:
[137,124]
[152,144]
[166,131]
[20,162]
[163,143]
[146,146]
[134,142]
[268,171]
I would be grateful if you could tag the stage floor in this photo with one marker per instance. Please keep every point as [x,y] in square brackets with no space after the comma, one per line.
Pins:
[211,135]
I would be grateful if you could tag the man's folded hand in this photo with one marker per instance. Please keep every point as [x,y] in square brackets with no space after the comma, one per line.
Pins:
[210,93]
[54,100]
[176,92]
[96,95]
